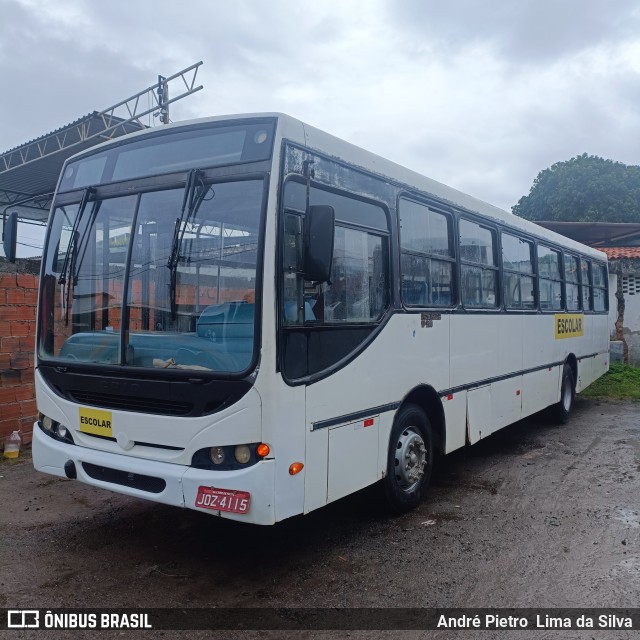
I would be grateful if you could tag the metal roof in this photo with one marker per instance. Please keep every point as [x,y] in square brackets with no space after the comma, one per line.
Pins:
[31,170]
[597,234]
[614,253]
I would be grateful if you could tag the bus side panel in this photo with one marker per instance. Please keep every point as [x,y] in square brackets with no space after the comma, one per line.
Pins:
[539,346]
[474,346]
[493,407]
[510,343]
[408,352]
[590,369]
[540,389]
[353,457]
[316,469]
[506,402]
[478,413]
[284,431]
[455,416]
[601,331]
[333,470]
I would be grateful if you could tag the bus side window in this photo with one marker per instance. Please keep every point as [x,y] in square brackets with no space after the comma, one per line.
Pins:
[517,264]
[550,278]
[292,263]
[478,269]
[572,278]
[585,279]
[600,298]
[358,291]
[427,257]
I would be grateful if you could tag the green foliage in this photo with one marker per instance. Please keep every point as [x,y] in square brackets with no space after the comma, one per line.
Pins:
[621,381]
[584,189]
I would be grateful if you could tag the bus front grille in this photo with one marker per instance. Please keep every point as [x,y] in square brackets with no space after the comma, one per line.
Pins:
[125,478]
[131,403]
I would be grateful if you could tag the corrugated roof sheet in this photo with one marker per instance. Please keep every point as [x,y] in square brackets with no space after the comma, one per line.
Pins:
[622,252]
[596,234]
[41,175]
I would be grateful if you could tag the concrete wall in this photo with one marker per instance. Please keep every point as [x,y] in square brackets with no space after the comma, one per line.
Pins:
[18,300]
[624,306]
[631,328]
[613,305]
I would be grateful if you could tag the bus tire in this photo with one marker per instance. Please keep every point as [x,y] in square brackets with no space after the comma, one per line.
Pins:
[409,461]
[562,410]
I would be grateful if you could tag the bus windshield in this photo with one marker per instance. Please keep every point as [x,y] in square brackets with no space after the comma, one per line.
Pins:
[162,280]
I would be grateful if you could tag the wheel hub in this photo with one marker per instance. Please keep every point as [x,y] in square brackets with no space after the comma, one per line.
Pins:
[410,459]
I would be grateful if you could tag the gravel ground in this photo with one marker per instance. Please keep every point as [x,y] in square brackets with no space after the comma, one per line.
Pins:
[535,515]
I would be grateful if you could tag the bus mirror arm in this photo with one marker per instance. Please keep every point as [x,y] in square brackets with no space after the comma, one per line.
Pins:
[318,243]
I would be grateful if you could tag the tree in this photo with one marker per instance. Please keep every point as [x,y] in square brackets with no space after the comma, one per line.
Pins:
[584,189]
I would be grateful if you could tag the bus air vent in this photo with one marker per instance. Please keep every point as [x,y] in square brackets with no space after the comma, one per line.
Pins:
[131,403]
[126,478]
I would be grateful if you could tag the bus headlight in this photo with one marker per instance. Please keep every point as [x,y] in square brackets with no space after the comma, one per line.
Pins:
[55,430]
[243,453]
[229,457]
[217,455]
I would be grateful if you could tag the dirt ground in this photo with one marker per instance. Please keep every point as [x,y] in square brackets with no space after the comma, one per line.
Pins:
[536,515]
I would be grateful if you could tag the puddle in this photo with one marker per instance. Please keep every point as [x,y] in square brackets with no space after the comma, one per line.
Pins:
[629,517]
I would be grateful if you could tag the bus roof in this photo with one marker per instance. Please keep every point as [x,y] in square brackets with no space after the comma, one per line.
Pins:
[302,133]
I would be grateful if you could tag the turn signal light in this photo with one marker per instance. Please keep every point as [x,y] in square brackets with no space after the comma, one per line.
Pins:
[263,450]
[296,467]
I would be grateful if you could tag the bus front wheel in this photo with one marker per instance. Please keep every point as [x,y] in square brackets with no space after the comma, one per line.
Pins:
[410,459]
[562,410]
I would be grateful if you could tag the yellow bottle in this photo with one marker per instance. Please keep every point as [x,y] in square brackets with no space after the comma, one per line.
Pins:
[12,445]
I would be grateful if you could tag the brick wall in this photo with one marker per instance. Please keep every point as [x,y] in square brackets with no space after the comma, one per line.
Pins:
[18,300]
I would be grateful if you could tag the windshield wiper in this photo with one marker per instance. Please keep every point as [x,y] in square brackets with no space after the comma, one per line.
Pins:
[88,192]
[66,277]
[194,193]
[191,197]
[82,245]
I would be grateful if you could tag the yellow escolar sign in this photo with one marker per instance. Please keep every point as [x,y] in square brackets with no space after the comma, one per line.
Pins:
[569,325]
[96,421]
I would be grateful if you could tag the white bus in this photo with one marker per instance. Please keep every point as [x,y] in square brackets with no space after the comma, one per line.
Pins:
[252,318]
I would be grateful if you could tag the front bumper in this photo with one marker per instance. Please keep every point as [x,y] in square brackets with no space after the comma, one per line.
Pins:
[180,482]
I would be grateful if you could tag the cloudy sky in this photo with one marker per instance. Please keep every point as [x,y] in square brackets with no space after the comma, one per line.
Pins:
[480,95]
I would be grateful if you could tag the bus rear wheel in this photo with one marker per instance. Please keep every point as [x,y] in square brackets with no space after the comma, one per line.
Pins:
[410,460]
[562,410]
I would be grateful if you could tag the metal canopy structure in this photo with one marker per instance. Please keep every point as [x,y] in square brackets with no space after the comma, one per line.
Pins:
[29,173]
[597,234]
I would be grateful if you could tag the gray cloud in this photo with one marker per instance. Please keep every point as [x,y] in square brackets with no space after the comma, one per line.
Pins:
[48,80]
[523,31]
[481,96]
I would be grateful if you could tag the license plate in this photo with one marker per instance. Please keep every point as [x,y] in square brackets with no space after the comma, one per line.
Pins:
[223,500]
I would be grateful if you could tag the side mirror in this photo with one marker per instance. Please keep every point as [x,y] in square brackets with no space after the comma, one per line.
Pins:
[10,236]
[318,243]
